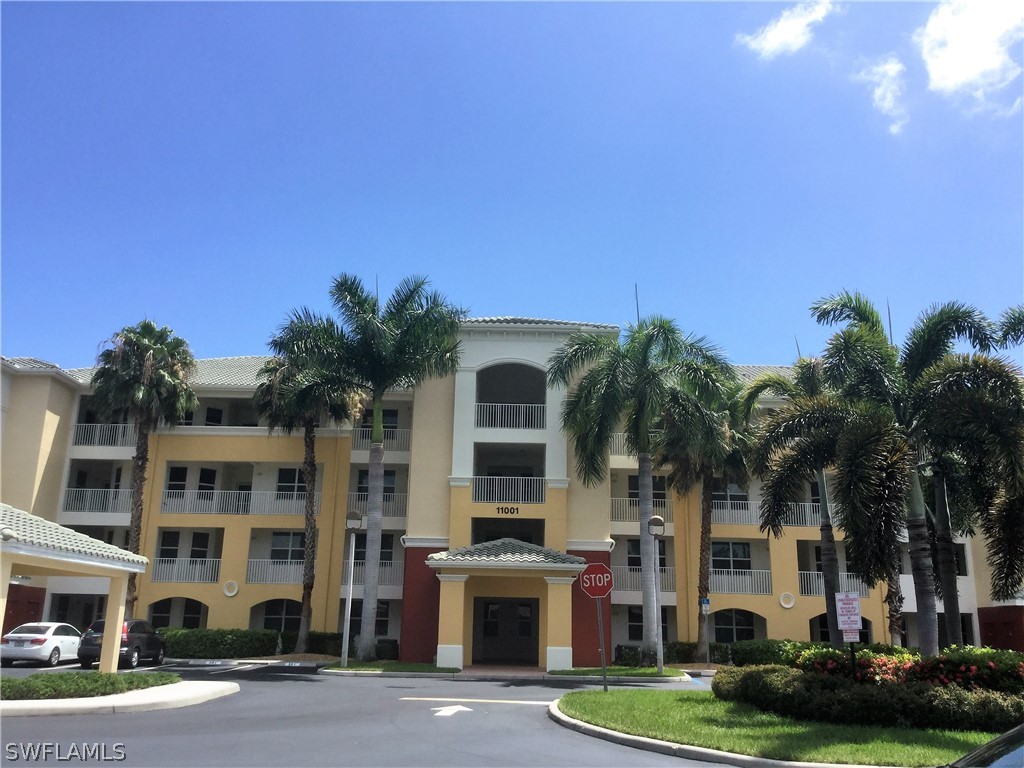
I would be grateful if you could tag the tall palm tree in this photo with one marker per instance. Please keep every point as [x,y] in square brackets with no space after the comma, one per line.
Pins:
[295,391]
[628,382]
[143,373]
[703,438]
[397,345]
[908,383]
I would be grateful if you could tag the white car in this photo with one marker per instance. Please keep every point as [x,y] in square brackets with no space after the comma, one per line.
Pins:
[44,642]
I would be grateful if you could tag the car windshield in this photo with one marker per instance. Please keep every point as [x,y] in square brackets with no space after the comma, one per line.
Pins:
[96,626]
[29,629]
[1005,752]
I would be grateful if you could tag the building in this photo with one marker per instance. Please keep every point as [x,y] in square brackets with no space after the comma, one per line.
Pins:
[485,524]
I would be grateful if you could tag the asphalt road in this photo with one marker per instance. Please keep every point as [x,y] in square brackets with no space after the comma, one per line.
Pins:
[286,718]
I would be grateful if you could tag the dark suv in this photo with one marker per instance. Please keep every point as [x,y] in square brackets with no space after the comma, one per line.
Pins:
[138,641]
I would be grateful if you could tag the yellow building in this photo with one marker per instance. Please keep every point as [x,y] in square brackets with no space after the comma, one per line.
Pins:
[486,526]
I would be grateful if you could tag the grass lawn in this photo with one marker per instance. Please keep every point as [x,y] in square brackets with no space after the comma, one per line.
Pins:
[79,685]
[699,719]
[619,672]
[391,666]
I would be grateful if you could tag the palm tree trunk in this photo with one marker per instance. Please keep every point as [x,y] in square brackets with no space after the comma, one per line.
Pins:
[704,569]
[829,565]
[140,463]
[366,649]
[894,602]
[309,552]
[921,568]
[946,562]
[648,558]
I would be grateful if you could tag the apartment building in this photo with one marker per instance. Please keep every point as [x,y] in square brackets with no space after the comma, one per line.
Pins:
[485,527]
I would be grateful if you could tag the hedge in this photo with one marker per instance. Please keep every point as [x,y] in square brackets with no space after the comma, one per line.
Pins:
[78,685]
[218,643]
[836,699]
[327,643]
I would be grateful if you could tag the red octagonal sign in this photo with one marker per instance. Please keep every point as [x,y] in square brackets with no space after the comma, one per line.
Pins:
[596,580]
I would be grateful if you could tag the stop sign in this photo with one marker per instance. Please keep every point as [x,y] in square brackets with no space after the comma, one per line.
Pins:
[596,580]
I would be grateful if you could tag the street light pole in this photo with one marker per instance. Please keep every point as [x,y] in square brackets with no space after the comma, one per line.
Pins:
[353,522]
[656,528]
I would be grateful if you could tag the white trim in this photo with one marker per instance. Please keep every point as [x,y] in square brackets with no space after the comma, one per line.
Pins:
[588,545]
[449,656]
[460,482]
[452,577]
[424,542]
[558,482]
[59,556]
[559,579]
[511,566]
[558,657]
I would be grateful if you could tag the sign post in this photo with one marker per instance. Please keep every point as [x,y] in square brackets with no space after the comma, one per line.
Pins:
[596,582]
[705,609]
[848,613]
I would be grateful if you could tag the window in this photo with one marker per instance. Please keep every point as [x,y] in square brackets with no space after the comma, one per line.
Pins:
[491,623]
[966,629]
[282,615]
[186,420]
[389,418]
[177,477]
[288,545]
[160,613]
[729,494]
[387,547]
[207,483]
[363,483]
[290,483]
[200,545]
[635,623]
[356,621]
[960,551]
[733,625]
[192,616]
[214,417]
[524,617]
[659,487]
[815,493]
[633,553]
[730,555]
[817,559]
[169,541]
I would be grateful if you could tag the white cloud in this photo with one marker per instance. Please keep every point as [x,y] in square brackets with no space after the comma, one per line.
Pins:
[966,49]
[788,33]
[887,77]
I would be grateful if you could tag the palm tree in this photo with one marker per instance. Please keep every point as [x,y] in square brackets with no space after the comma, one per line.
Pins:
[704,438]
[144,373]
[412,337]
[1011,326]
[629,382]
[293,394]
[912,384]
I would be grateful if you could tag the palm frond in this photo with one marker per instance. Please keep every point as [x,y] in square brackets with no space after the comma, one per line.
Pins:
[851,308]
[933,334]
[1011,327]
[1004,533]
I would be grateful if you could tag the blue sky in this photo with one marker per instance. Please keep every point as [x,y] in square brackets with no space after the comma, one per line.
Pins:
[213,165]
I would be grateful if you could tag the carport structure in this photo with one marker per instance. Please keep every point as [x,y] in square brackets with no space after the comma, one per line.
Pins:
[32,546]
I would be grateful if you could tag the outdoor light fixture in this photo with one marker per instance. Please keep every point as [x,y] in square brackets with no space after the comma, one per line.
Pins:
[656,528]
[353,522]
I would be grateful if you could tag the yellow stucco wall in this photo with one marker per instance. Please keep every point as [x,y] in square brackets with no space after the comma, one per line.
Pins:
[432,431]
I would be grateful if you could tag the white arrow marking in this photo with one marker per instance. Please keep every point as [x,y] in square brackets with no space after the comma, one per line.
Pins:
[449,711]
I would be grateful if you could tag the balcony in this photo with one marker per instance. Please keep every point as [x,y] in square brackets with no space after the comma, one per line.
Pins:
[509,490]
[741,582]
[105,435]
[274,572]
[389,575]
[618,446]
[628,579]
[192,570]
[395,504]
[394,439]
[812,584]
[628,510]
[235,503]
[97,500]
[747,513]
[511,416]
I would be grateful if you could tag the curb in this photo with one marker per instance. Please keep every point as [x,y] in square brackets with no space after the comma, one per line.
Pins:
[546,678]
[171,696]
[679,750]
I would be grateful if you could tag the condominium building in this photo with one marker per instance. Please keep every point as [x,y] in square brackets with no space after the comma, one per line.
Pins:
[486,525]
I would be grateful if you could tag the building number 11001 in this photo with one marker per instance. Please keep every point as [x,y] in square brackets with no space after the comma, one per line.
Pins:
[508,510]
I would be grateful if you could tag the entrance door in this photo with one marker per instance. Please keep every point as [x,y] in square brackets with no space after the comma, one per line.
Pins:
[505,630]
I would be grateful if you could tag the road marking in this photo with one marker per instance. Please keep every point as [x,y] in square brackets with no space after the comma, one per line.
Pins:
[479,701]
[234,669]
[449,711]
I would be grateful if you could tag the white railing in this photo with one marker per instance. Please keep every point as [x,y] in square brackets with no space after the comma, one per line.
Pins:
[188,569]
[97,500]
[628,510]
[629,579]
[389,575]
[618,446]
[812,584]
[511,416]
[274,572]
[741,582]
[509,490]
[395,504]
[394,439]
[116,435]
[734,513]
[235,503]
[804,514]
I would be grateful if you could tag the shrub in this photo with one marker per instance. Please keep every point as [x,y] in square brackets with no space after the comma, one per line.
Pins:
[749,652]
[219,643]
[686,653]
[627,655]
[327,643]
[970,667]
[77,685]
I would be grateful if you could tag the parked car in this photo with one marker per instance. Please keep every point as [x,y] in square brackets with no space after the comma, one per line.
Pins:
[1006,751]
[138,641]
[44,642]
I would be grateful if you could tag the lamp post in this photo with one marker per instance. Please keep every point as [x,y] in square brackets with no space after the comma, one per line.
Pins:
[353,523]
[656,528]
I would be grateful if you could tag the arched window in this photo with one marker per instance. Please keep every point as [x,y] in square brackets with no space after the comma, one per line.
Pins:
[732,625]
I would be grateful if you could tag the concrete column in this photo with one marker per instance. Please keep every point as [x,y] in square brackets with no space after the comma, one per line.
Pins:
[114,619]
[6,566]
[450,651]
[558,644]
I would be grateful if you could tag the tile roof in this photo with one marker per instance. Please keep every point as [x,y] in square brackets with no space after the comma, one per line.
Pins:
[748,373]
[210,372]
[537,321]
[506,553]
[35,531]
[30,364]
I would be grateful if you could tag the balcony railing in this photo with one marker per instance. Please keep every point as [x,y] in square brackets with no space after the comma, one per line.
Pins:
[113,435]
[804,514]
[394,439]
[628,510]
[509,490]
[389,575]
[235,503]
[618,446]
[274,572]
[510,416]
[741,582]
[747,513]
[395,504]
[187,569]
[97,500]
[629,579]
[812,584]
